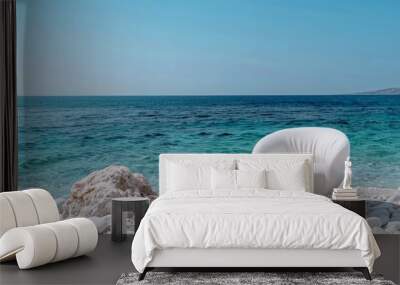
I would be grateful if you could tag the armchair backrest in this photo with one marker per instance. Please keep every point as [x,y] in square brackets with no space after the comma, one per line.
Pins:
[26,208]
[330,148]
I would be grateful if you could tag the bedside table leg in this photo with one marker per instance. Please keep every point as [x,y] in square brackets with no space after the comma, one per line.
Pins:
[116,222]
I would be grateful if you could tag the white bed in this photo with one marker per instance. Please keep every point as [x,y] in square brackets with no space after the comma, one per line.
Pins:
[249,227]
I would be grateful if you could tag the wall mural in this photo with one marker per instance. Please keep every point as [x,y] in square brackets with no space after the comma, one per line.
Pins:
[104,89]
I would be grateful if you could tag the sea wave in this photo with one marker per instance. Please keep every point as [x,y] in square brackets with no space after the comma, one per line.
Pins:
[62,139]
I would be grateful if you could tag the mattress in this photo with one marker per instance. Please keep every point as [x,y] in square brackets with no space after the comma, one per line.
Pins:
[252,219]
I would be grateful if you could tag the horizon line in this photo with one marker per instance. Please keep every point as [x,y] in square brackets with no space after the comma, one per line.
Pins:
[203,95]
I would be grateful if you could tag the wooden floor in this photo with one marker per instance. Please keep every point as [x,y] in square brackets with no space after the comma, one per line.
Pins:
[103,266]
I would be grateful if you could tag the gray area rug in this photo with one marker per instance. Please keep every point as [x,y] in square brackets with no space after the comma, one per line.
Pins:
[228,278]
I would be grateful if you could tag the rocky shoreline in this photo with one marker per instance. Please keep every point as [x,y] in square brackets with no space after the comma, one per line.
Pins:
[91,197]
[383,209]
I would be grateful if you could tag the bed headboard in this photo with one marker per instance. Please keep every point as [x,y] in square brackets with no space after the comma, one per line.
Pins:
[210,157]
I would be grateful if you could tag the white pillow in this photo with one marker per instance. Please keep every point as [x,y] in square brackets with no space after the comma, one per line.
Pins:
[223,179]
[292,178]
[251,179]
[187,175]
[229,180]
[283,174]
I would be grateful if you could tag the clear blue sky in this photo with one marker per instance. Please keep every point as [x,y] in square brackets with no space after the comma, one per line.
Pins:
[206,47]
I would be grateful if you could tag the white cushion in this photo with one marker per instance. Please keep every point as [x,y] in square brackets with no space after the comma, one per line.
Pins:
[87,233]
[23,208]
[45,206]
[31,246]
[26,208]
[7,220]
[230,180]
[40,244]
[290,178]
[187,177]
[282,174]
[67,240]
[251,179]
[215,160]
[223,179]
[31,233]
[192,175]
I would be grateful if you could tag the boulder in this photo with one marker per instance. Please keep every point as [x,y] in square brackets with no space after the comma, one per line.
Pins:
[374,222]
[382,214]
[393,227]
[390,195]
[395,199]
[91,196]
[103,224]
[60,201]
[378,230]
[395,215]
[383,207]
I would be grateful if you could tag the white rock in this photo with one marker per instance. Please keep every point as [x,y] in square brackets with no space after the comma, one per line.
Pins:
[395,215]
[60,201]
[91,196]
[381,206]
[395,199]
[374,222]
[378,230]
[382,214]
[103,224]
[393,227]
[380,194]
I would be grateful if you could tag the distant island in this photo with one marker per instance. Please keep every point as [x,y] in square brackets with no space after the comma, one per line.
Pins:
[387,91]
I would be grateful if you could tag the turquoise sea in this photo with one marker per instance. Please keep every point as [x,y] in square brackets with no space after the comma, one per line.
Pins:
[64,138]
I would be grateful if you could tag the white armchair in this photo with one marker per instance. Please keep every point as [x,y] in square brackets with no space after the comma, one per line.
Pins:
[330,148]
[31,233]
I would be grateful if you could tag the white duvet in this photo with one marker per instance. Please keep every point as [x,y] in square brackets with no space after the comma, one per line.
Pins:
[250,219]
